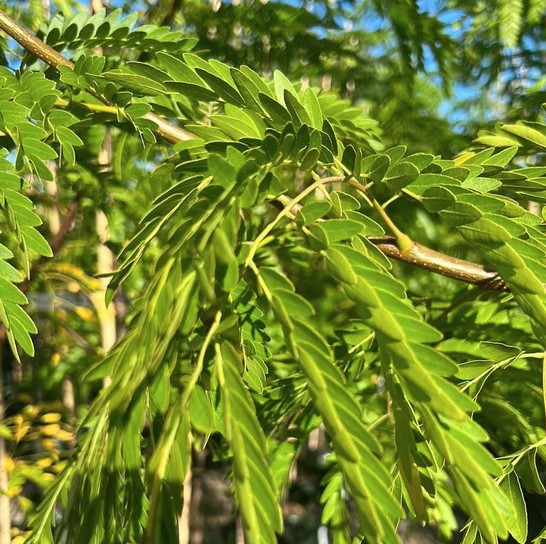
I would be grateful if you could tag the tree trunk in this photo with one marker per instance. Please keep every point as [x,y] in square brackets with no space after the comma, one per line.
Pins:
[5,521]
[54,220]
[105,265]
[185,517]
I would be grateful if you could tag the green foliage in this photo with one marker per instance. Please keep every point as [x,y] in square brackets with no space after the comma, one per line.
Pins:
[110,30]
[263,297]
[28,120]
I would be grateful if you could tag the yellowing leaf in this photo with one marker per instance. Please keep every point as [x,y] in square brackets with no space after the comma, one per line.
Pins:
[51,417]
[21,431]
[14,491]
[9,463]
[49,444]
[87,314]
[45,462]
[65,436]
[50,430]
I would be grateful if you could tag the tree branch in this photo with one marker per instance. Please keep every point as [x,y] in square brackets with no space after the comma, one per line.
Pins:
[426,258]
[439,263]
[165,129]
[417,255]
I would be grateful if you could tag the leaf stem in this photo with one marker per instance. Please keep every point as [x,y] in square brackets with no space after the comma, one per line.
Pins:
[103,108]
[172,423]
[431,260]
[31,43]
[440,263]
[283,213]
[362,188]
[198,368]
[261,282]
[403,241]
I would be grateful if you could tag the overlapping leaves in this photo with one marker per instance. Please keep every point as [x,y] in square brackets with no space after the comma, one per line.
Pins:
[193,374]
[355,447]
[111,30]
[20,221]
[256,492]
[27,119]
[110,452]
[508,236]
[416,379]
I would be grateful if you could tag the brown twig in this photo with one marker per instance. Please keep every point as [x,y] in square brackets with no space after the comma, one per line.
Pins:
[439,263]
[68,219]
[427,258]
[165,129]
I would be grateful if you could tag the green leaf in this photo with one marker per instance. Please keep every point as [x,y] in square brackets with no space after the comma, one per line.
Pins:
[275,110]
[296,109]
[343,203]
[336,230]
[352,160]
[528,134]
[401,175]
[223,172]
[309,213]
[254,482]
[310,159]
[340,267]
[138,83]
[255,375]
[528,472]
[282,84]
[9,273]
[502,158]
[249,89]
[15,311]
[223,89]
[482,185]
[341,415]
[10,293]
[476,501]
[517,522]
[312,105]
[148,70]
[36,241]
[258,81]
[233,127]
[495,140]
[21,335]
[178,70]
[379,168]
[201,411]
[192,91]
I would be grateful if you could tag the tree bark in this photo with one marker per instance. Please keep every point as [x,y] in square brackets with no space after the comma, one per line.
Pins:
[184,532]
[5,520]
[55,225]
[105,265]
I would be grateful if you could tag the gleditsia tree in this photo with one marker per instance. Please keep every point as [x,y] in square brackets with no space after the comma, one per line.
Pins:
[273,306]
